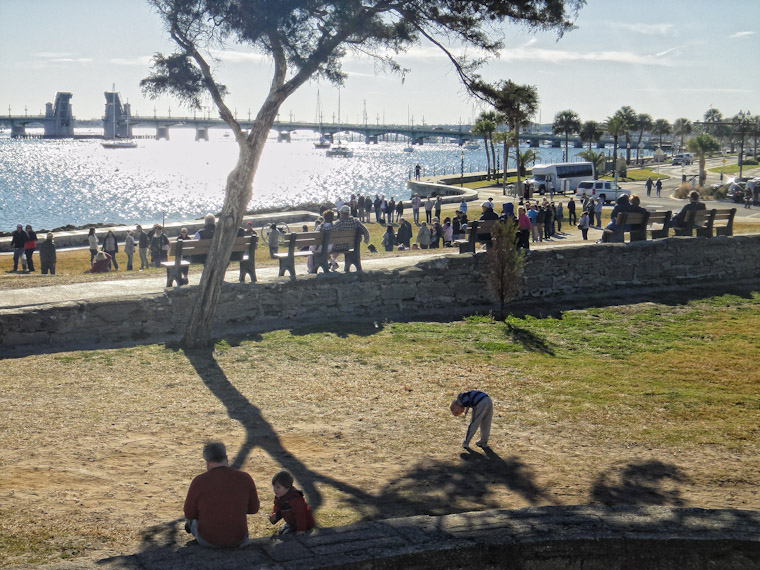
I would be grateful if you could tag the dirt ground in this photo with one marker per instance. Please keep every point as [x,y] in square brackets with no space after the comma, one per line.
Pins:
[99,447]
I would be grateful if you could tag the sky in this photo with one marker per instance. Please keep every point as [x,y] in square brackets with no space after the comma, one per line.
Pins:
[666,58]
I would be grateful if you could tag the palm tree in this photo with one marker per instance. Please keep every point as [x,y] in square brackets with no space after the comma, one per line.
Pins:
[643,123]
[518,103]
[661,128]
[485,127]
[711,117]
[591,132]
[598,159]
[524,158]
[616,126]
[681,128]
[566,122]
[701,145]
[630,118]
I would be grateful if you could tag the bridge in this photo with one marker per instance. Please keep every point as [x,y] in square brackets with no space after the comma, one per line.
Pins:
[118,122]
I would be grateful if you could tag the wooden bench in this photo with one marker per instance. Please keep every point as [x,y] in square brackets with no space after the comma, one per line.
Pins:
[478,231]
[319,245]
[703,222]
[661,219]
[633,223]
[177,270]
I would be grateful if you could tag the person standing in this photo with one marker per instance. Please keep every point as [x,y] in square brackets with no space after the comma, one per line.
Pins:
[583,224]
[429,210]
[482,414]
[560,214]
[532,214]
[29,246]
[129,248]
[598,212]
[571,217]
[417,171]
[540,219]
[143,244]
[92,243]
[437,207]
[416,203]
[463,206]
[111,247]
[17,244]
[219,500]
[404,234]
[159,246]
[423,236]
[523,228]
[47,255]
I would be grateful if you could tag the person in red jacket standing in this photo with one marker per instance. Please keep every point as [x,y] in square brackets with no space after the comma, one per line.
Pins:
[290,505]
[219,500]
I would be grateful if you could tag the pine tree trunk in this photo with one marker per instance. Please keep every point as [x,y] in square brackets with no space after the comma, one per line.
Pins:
[237,196]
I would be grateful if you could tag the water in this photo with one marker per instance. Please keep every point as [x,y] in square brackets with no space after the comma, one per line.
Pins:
[52,183]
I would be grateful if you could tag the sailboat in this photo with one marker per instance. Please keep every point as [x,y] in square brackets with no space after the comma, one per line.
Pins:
[323,141]
[116,142]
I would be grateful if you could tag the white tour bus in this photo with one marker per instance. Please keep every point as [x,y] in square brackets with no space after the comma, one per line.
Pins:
[562,177]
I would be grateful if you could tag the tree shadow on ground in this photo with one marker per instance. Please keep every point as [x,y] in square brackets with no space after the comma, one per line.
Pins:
[340,329]
[429,487]
[529,340]
[642,483]
[444,487]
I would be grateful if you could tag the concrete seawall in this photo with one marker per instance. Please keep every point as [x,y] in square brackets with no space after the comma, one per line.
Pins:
[444,287]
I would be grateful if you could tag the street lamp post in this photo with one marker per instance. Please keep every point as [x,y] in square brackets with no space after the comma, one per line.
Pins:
[461,172]
[744,118]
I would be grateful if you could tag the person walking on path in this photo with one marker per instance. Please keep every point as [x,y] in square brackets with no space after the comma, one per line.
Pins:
[218,501]
[482,414]
[649,184]
[658,187]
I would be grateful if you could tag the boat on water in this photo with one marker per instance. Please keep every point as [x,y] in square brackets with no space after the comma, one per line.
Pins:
[119,144]
[339,150]
[322,143]
[408,149]
[471,146]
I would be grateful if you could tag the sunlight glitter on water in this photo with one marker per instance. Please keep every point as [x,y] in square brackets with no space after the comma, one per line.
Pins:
[51,183]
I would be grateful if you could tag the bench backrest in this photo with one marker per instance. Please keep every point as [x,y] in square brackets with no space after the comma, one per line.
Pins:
[302,240]
[659,218]
[202,246]
[725,216]
[480,227]
[699,218]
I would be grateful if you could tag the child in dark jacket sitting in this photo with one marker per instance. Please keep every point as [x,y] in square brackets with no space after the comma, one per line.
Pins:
[290,505]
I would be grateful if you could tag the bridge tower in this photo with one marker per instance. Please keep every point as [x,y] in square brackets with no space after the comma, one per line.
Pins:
[59,120]
[116,120]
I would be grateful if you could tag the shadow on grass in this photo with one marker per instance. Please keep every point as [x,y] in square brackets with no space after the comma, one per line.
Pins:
[430,487]
[643,483]
[529,340]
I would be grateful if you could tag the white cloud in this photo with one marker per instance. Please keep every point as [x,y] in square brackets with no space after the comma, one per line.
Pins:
[71,60]
[52,54]
[142,61]
[232,56]
[741,35]
[647,29]
[566,56]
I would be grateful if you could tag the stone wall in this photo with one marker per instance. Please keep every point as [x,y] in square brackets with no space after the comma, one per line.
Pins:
[442,288]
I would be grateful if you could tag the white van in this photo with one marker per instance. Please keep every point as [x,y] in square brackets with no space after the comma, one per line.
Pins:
[561,178]
[683,158]
[606,190]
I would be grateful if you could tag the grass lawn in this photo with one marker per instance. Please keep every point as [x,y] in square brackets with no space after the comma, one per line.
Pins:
[642,404]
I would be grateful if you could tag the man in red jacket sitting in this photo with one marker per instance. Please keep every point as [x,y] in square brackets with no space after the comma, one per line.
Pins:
[219,500]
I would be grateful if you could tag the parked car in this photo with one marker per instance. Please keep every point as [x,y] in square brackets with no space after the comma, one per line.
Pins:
[606,190]
[680,159]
